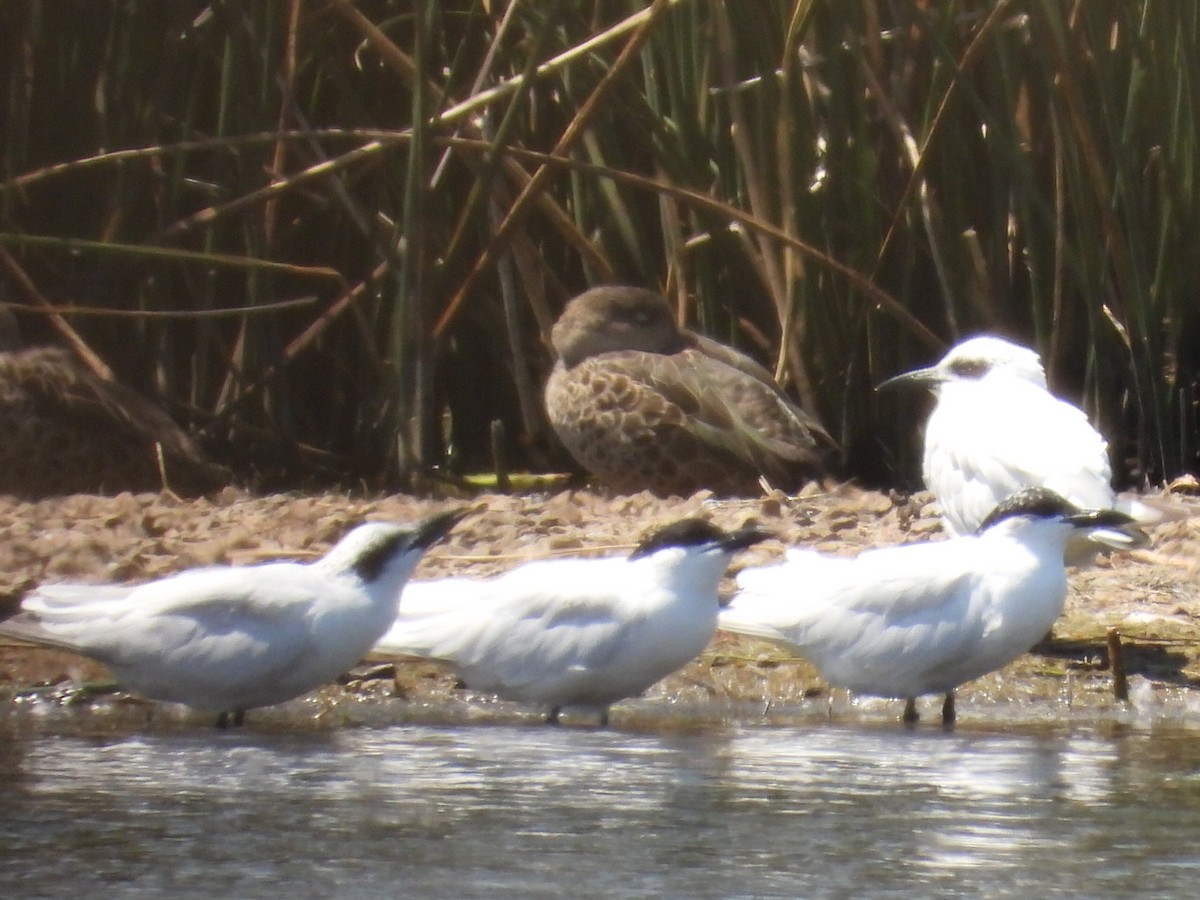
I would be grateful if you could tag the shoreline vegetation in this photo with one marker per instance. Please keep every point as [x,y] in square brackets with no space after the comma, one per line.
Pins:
[330,238]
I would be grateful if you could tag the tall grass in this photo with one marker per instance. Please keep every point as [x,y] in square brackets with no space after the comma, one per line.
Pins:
[346,226]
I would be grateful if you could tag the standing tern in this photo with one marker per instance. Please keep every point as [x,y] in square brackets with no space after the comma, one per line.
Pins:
[646,405]
[575,632]
[231,638]
[996,429]
[922,618]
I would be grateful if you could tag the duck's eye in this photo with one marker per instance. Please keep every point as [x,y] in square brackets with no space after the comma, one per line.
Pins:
[636,316]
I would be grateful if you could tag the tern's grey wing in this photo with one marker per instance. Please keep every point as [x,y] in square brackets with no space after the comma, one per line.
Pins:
[550,648]
[902,583]
[885,622]
[815,598]
[533,632]
[28,627]
[69,595]
[67,615]
[531,628]
[221,625]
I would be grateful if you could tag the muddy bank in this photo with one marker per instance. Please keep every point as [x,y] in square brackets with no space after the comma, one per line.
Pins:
[1152,597]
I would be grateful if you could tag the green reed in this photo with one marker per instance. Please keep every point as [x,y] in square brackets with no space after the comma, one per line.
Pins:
[347,226]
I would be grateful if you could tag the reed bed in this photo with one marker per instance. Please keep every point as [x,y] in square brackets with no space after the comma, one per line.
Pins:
[331,235]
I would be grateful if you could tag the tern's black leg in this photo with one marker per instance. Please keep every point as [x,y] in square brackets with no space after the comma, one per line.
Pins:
[235,718]
[552,718]
[948,713]
[604,717]
[911,715]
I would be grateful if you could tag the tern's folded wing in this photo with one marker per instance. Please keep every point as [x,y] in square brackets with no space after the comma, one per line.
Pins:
[64,605]
[217,623]
[27,627]
[812,594]
[512,633]
[48,597]
[1005,435]
[549,642]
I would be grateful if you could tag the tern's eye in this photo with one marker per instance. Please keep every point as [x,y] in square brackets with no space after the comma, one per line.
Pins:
[969,368]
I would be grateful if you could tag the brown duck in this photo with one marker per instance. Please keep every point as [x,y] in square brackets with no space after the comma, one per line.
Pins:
[63,430]
[643,404]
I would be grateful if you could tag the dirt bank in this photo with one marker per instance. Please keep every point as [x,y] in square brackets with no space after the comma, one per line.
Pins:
[1153,598]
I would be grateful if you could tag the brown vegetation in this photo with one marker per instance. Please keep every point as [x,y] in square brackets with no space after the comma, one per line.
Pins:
[330,235]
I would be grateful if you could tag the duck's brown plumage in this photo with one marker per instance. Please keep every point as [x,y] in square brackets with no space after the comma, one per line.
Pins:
[643,404]
[63,430]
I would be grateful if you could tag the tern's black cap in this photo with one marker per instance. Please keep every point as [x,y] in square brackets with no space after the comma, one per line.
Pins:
[697,533]
[372,560]
[1044,503]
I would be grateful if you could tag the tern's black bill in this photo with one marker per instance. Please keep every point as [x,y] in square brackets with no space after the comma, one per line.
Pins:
[1100,518]
[436,527]
[918,377]
[743,538]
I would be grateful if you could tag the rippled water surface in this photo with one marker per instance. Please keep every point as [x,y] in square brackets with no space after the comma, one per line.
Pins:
[485,811]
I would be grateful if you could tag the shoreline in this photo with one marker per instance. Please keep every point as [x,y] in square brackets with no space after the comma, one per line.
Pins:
[1152,597]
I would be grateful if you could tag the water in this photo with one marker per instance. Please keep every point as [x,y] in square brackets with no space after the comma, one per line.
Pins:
[530,811]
